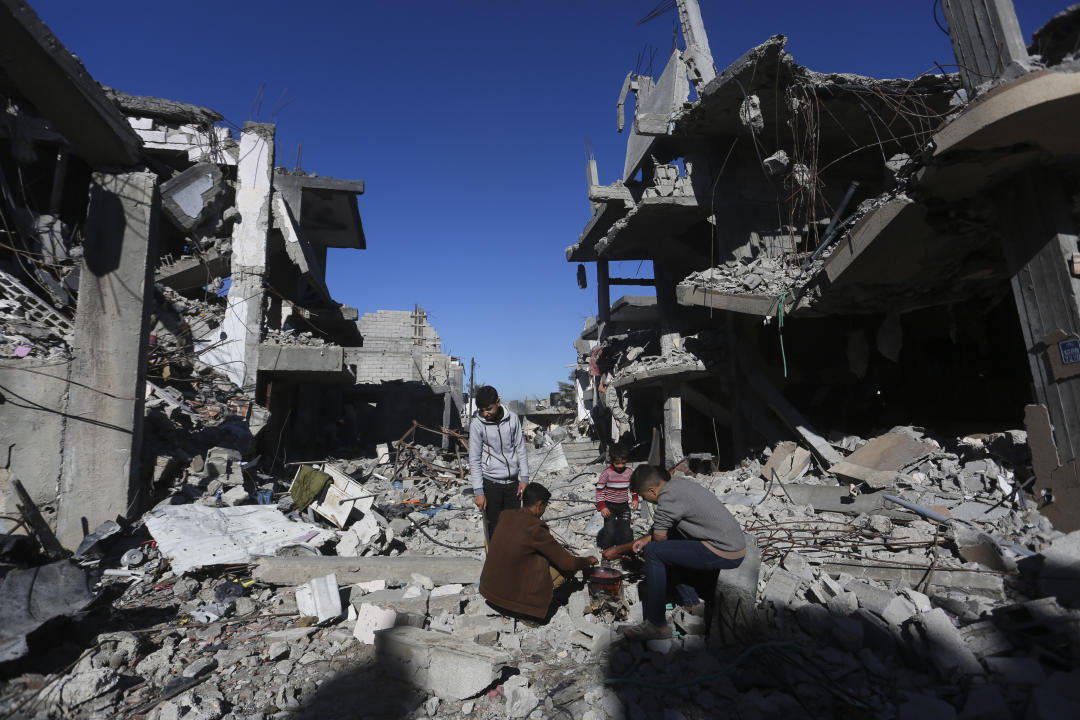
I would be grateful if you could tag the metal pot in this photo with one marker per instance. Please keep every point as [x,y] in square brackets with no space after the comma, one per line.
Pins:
[603,579]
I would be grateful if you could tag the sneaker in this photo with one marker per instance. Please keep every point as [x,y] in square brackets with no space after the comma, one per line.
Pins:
[646,631]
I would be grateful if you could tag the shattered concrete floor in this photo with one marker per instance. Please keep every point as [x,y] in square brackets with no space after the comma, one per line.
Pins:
[864,607]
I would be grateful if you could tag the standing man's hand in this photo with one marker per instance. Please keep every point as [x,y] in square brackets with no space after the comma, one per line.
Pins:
[521,488]
[481,501]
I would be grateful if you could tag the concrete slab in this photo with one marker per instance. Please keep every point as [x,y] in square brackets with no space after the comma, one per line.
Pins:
[944,647]
[187,197]
[323,362]
[194,536]
[980,583]
[416,602]
[394,570]
[449,667]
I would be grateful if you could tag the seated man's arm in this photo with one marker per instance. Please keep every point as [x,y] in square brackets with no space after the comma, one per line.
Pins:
[617,551]
[663,521]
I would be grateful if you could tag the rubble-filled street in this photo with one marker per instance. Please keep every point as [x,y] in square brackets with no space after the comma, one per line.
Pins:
[828,466]
[880,607]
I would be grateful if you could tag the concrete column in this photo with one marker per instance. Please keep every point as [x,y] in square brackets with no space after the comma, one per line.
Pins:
[668,308]
[986,39]
[244,311]
[673,448]
[1040,238]
[100,475]
[738,397]
[698,55]
[603,299]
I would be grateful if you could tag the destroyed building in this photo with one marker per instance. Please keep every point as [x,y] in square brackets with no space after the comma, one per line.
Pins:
[863,289]
[156,262]
[402,375]
[841,252]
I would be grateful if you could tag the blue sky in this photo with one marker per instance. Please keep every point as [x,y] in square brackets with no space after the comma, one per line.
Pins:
[467,120]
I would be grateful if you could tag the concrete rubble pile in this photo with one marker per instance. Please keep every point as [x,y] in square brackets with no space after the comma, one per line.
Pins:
[956,599]
[257,503]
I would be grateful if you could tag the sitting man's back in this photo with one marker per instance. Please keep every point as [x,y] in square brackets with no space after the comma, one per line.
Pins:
[517,572]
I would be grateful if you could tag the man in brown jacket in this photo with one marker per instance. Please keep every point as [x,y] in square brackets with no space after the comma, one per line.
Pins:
[520,569]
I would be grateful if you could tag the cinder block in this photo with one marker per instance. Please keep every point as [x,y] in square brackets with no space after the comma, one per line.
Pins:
[417,603]
[370,619]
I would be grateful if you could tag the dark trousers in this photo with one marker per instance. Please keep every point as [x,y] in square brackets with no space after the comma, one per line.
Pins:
[675,554]
[500,496]
[616,530]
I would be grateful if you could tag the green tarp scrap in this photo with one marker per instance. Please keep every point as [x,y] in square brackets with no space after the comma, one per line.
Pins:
[307,486]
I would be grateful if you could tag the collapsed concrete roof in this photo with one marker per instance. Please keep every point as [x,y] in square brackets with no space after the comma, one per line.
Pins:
[42,70]
[161,108]
[850,113]
[325,208]
[931,245]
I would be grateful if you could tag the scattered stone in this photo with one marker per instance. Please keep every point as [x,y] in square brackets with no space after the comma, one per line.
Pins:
[520,699]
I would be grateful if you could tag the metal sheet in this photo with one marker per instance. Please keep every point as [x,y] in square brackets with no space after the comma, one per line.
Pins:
[194,536]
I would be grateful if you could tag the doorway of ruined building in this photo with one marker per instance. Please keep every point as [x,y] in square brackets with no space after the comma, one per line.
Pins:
[956,369]
[646,405]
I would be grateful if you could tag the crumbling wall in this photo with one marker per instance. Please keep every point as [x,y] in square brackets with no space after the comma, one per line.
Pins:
[399,331]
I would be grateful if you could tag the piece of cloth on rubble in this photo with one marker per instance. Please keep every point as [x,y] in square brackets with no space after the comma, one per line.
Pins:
[31,597]
[497,450]
[517,572]
[308,484]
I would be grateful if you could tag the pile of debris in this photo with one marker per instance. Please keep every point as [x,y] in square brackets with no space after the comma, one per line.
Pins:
[911,577]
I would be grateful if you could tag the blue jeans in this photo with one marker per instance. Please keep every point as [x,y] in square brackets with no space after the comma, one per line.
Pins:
[684,554]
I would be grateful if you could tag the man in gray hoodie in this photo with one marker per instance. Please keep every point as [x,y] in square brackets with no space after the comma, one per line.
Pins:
[498,467]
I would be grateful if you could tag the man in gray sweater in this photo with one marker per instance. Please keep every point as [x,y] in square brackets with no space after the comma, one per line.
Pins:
[712,540]
[498,466]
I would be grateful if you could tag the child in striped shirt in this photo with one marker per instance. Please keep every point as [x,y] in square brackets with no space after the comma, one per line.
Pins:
[615,501]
